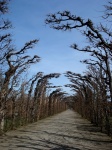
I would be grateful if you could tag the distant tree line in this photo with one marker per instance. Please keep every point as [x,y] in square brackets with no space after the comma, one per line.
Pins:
[93,89]
[23,100]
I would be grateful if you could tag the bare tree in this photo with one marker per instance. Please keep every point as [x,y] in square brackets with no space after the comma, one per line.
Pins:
[40,91]
[15,61]
[99,46]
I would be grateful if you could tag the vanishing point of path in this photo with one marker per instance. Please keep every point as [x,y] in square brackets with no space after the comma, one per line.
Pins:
[64,131]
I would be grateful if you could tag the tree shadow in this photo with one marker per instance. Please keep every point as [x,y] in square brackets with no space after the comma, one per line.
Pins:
[28,138]
[88,127]
[29,143]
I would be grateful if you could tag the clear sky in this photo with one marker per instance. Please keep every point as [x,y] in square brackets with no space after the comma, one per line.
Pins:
[28,19]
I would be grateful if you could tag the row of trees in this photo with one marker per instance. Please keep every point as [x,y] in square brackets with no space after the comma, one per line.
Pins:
[22,100]
[22,108]
[93,89]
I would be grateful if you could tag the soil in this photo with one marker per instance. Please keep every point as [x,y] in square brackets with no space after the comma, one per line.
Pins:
[64,131]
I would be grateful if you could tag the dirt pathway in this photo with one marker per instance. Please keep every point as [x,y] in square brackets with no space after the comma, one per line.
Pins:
[65,131]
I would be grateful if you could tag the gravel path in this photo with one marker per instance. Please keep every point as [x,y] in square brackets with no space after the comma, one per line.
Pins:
[64,131]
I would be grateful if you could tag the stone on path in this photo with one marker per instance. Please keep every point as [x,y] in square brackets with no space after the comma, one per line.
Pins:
[64,131]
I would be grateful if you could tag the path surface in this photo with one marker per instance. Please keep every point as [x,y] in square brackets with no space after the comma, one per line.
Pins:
[65,131]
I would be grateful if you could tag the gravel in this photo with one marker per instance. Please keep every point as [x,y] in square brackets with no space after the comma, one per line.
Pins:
[64,131]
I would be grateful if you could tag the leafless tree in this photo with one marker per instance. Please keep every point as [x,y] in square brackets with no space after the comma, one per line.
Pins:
[99,38]
[16,61]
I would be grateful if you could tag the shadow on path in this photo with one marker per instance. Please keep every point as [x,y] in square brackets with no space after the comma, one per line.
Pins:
[65,131]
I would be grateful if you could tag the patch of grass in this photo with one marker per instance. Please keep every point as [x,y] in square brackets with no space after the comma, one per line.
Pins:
[17,123]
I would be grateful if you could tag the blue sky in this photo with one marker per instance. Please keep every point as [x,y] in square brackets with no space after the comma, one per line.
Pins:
[28,19]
